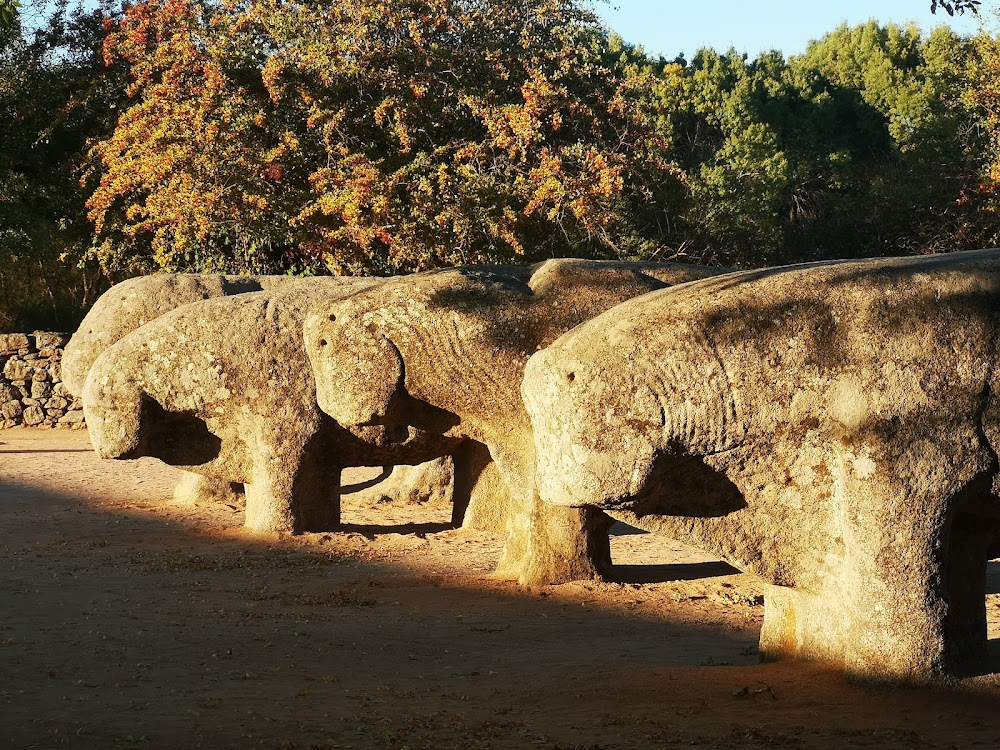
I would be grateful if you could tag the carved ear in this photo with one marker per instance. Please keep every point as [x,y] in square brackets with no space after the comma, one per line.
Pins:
[359,371]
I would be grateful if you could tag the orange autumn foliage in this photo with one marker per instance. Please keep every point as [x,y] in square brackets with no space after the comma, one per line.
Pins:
[371,135]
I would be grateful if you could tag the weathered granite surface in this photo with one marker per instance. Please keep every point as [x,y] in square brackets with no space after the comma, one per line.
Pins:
[135,302]
[444,351]
[222,388]
[832,428]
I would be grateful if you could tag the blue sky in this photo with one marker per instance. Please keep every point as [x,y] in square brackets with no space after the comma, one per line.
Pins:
[671,26]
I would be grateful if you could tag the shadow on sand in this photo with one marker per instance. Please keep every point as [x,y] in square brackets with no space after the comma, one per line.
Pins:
[136,622]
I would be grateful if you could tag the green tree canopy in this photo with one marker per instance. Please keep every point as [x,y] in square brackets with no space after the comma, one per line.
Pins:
[860,146]
[8,13]
[55,94]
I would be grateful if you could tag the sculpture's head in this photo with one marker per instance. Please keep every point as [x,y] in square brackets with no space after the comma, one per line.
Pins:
[358,370]
[622,415]
[593,446]
[112,405]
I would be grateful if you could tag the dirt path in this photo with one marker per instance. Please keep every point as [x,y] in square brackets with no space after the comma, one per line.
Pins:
[132,621]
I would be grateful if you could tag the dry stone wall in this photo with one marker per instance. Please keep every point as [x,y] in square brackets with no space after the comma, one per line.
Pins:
[31,389]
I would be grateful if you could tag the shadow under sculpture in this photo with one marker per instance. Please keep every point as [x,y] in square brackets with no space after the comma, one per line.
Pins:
[223,388]
[444,351]
[846,416]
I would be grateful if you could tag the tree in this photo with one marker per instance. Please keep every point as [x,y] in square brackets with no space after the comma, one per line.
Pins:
[191,176]
[374,136]
[54,96]
[983,100]
[9,22]
[910,193]
[861,147]
[8,13]
[956,6]
[363,136]
[734,169]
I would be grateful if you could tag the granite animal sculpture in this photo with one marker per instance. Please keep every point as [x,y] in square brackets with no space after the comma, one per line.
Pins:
[222,388]
[832,428]
[444,351]
[133,303]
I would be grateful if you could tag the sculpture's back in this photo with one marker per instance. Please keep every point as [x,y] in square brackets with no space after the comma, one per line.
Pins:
[135,302]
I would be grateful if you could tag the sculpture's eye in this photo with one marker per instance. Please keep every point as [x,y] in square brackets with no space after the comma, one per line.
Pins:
[333,318]
[323,342]
[571,376]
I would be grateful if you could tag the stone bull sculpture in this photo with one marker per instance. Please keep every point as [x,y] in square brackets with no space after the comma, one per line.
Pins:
[222,388]
[832,428]
[135,302]
[444,351]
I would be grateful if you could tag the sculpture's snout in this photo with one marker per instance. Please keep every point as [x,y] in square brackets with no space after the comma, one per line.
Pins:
[358,371]
[114,430]
[588,450]
[73,371]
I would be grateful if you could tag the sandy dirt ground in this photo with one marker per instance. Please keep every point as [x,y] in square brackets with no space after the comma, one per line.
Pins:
[132,621]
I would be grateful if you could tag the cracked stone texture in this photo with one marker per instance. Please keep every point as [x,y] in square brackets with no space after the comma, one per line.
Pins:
[444,351]
[831,428]
[222,388]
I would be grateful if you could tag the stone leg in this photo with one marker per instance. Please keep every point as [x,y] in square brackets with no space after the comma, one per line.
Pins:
[921,613]
[804,625]
[549,544]
[271,508]
[971,538]
[318,507]
[482,501]
[267,511]
[193,489]
[907,605]
[305,498]
[315,499]
[468,464]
